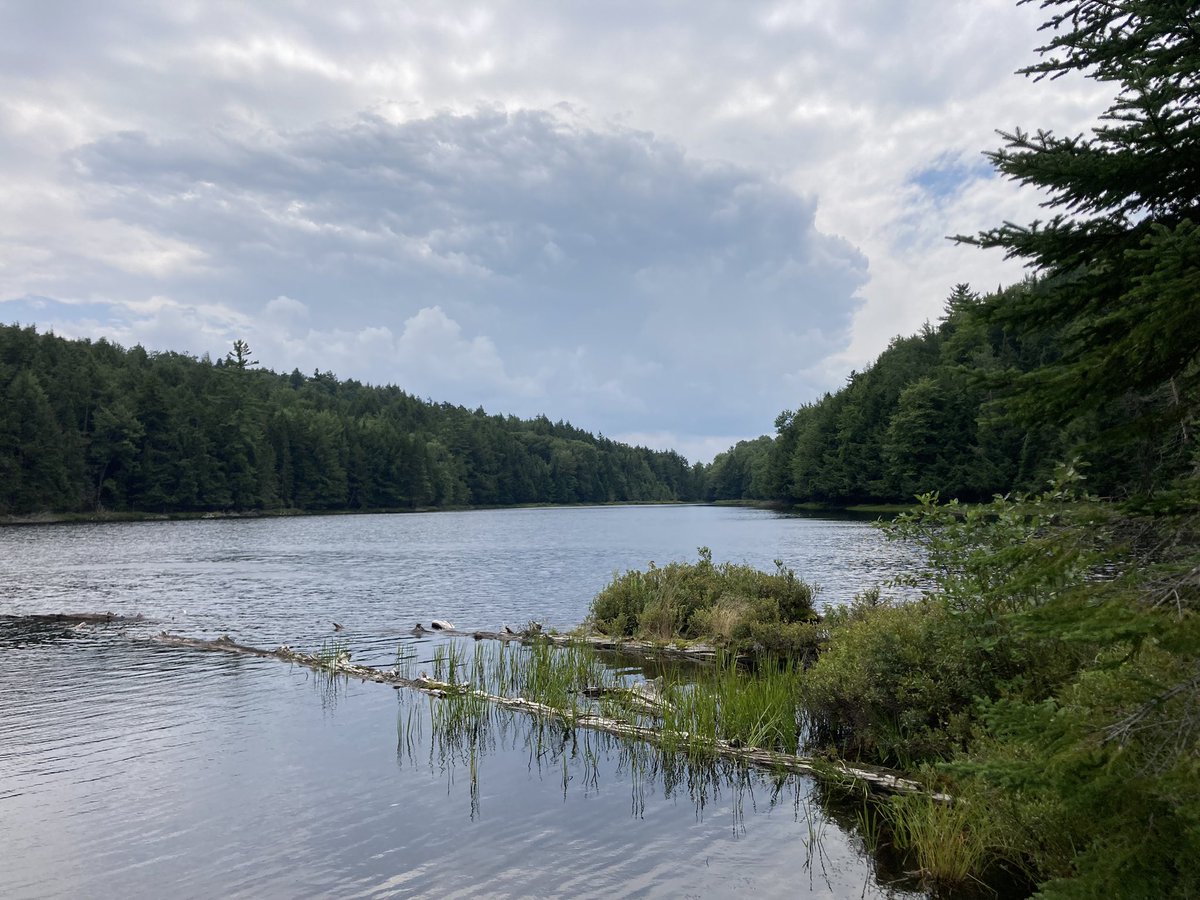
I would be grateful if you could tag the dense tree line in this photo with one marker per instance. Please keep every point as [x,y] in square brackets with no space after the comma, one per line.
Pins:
[948,410]
[1049,678]
[1094,357]
[92,426]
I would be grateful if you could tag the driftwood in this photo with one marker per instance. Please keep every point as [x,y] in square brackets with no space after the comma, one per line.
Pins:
[875,776]
[645,695]
[693,651]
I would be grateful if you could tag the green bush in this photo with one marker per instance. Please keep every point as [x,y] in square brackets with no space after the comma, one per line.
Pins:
[729,605]
[800,640]
[1049,679]
[891,687]
[905,684]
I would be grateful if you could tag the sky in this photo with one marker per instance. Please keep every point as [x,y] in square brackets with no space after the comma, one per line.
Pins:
[662,221]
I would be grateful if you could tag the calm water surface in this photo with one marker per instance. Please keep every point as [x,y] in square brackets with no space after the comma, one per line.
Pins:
[131,769]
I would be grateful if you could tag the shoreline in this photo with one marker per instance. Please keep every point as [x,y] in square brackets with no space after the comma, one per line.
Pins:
[886,509]
[109,516]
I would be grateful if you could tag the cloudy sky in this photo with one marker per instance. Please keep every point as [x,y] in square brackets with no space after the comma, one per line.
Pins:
[664,221]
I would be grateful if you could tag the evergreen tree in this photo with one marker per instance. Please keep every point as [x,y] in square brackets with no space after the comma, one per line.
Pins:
[31,448]
[239,356]
[1119,261]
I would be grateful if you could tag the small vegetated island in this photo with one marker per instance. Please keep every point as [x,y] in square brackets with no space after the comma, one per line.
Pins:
[1042,696]
[728,606]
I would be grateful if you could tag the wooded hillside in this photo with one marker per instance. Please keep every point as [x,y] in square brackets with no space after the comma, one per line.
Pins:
[91,426]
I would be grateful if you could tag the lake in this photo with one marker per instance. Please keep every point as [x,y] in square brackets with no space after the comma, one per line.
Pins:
[132,769]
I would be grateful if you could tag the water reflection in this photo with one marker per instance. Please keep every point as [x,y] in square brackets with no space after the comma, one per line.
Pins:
[827,823]
[130,767]
[133,769]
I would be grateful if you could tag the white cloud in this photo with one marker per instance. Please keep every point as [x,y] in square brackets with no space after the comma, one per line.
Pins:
[286,307]
[432,352]
[644,217]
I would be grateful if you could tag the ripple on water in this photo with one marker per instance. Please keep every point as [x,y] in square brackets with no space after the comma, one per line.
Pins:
[134,769]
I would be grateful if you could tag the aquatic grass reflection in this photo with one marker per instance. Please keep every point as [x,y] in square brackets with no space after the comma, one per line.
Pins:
[699,712]
[688,714]
[406,655]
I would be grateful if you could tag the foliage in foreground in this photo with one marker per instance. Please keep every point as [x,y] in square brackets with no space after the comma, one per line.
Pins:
[1051,679]
[734,606]
[1053,675]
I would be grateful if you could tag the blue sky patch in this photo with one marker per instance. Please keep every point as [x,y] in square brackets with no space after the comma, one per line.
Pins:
[947,176]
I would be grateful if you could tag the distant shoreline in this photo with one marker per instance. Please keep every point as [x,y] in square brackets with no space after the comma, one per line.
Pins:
[780,506]
[107,516]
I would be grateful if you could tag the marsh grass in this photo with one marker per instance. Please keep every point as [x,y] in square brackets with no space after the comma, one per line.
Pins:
[727,704]
[333,654]
[466,727]
[692,714]
[406,655]
[949,843]
[868,822]
[688,711]
[564,678]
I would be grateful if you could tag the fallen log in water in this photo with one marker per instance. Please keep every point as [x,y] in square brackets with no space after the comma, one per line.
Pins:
[18,632]
[339,664]
[688,650]
[86,618]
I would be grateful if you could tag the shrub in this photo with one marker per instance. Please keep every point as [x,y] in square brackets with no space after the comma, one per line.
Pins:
[727,604]
[1053,667]
[801,640]
[890,686]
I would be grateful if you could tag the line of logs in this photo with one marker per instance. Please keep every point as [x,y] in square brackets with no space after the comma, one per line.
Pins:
[339,664]
[692,651]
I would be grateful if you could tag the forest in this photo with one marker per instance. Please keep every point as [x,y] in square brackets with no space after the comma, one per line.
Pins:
[89,426]
[947,411]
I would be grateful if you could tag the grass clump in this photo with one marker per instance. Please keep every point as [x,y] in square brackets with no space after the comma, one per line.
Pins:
[333,654]
[729,605]
[949,842]
[755,709]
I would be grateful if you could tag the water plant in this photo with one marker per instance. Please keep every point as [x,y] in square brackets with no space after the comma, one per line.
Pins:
[406,655]
[333,654]
[725,703]
[950,844]
[690,713]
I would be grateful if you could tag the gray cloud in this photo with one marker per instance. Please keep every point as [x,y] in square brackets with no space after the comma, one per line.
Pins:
[604,212]
[602,275]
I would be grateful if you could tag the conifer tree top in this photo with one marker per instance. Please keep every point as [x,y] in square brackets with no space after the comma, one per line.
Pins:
[1119,260]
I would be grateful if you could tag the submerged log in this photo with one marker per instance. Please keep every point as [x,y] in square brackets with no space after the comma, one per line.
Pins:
[694,651]
[690,650]
[875,776]
[87,618]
